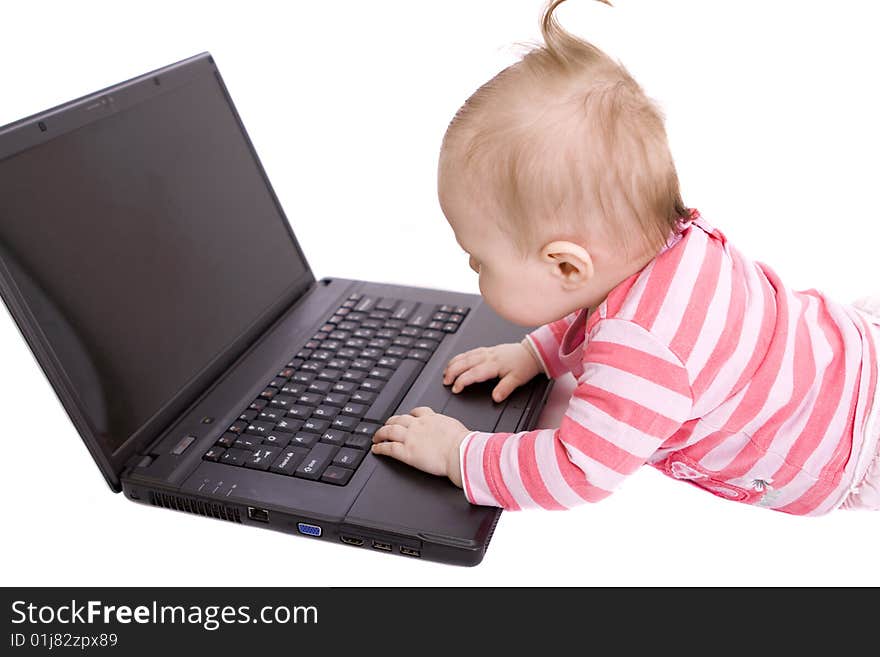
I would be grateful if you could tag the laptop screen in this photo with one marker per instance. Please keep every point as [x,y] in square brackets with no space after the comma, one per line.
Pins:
[144,244]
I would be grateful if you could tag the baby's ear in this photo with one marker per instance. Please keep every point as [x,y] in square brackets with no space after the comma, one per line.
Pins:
[569,262]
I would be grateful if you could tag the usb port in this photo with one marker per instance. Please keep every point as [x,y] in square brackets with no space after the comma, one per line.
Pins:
[352,540]
[260,515]
[410,552]
[378,545]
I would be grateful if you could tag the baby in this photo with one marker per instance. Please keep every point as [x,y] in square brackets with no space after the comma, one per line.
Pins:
[557,180]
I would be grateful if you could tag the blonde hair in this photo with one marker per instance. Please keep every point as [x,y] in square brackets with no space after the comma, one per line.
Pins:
[564,129]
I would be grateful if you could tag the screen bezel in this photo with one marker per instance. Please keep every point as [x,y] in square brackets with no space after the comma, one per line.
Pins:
[49,124]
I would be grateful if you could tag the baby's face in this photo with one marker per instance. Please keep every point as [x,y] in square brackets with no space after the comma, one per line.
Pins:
[519,288]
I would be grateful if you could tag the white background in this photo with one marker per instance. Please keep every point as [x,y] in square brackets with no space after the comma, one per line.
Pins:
[771,112]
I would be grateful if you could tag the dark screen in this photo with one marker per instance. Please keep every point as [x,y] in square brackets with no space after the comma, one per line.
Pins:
[144,243]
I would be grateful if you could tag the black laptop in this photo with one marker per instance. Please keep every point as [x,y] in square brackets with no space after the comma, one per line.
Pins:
[151,270]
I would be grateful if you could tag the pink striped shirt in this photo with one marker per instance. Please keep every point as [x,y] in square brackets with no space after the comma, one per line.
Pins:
[704,365]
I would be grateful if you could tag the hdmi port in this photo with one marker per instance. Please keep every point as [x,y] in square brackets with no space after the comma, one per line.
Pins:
[377,545]
[351,540]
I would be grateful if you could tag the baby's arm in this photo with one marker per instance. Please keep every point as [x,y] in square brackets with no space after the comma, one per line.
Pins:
[634,394]
[544,342]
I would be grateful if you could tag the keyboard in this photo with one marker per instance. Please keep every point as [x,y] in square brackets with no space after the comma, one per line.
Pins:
[316,418]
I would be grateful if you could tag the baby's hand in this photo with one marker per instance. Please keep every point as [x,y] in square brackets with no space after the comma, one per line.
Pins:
[425,440]
[514,363]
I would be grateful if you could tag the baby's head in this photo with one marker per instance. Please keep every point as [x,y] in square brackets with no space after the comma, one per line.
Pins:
[557,179]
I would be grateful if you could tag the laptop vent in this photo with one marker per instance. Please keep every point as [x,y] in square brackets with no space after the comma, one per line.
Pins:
[207,509]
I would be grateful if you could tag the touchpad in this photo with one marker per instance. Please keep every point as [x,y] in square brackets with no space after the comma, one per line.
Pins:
[474,406]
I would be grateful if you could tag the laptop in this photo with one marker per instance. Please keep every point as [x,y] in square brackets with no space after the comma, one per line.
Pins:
[153,273]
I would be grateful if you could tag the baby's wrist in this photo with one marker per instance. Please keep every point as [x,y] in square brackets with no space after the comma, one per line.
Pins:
[536,361]
[453,461]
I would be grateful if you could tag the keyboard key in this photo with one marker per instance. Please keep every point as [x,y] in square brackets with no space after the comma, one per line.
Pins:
[356,343]
[214,454]
[227,439]
[336,399]
[456,318]
[247,416]
[335,437]
[445,308]
[336,475]
[260,428]
[419,354]
[379,314]
[363,396]
[354,296]
[344,386]
[295,363]
[278,439]
[398,385]
[286,373]
[303,440]
[404,310]
[322,387]
[288,459]
[322,355]
[379,343]
[381,373]
[347,325]
[347,352]
[365,304]
[440,316]
[365,364]
[272,414]
[420,316]
[325,412]
[304,354]
[359,441]
[308,366]
[366,428]
[393,324]
[397,352]
[434,324]
[234,456]
[262,458]
[288,425]
[372,324]
[373,385]
[248,442]
[316,424]
[293,389]
[357,410]
[386,333]
[386,304]
[310,399]
[238,427]
[460,310]
[410,332]
[344,422]
[354,375]
[429,345]
[282,401]
[450,327]
[277,382]
[257,404]
[339,363]
[371,352]
[431,334]
[299,412]
[305,377]
[404,341]
[387,361]
[339,335]
[348,458]
[329,374]
[364,333]
[314,463]
[331,345]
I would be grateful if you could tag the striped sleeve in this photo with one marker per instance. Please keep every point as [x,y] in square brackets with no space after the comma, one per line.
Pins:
[545,341]
[633,394]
